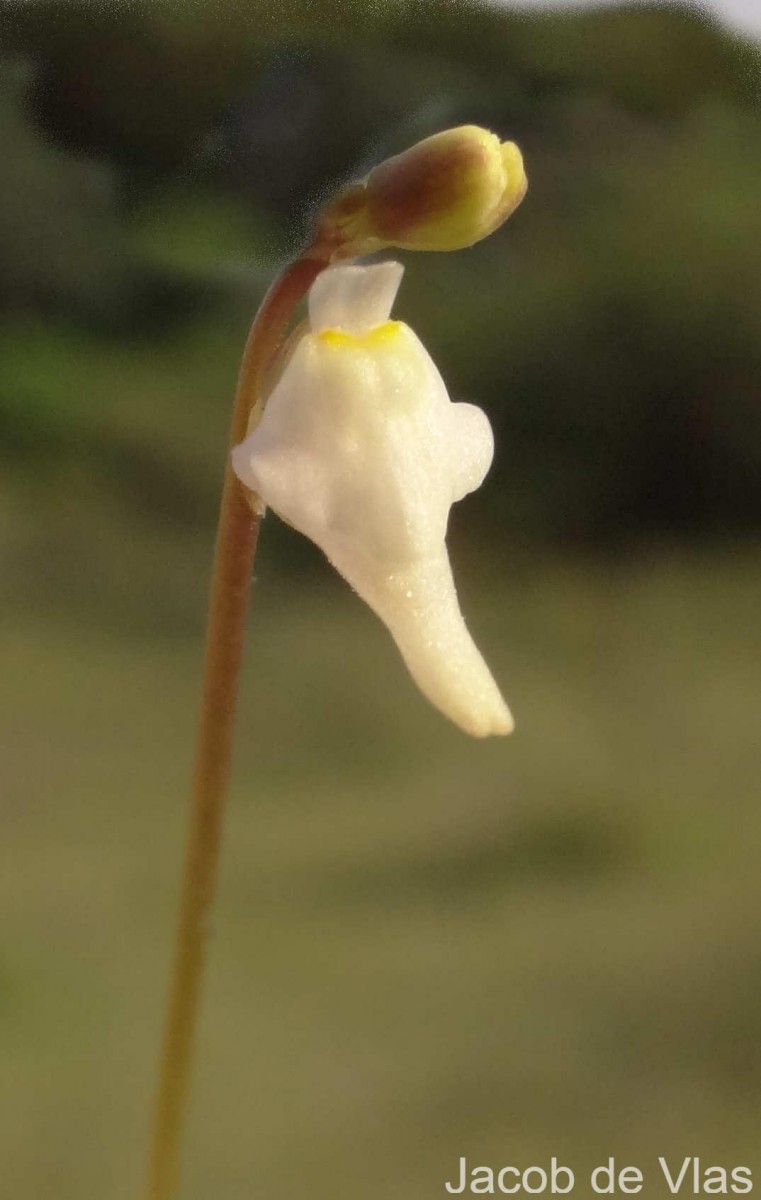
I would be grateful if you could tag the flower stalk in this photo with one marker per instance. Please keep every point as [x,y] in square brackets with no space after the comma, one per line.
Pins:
[231,575]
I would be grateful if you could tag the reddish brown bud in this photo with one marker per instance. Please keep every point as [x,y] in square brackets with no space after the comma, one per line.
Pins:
[446,192]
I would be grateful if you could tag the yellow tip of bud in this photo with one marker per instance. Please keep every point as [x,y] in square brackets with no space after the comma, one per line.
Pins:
[444,193]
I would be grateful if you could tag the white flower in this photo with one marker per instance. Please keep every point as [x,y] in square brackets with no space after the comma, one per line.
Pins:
[361,450]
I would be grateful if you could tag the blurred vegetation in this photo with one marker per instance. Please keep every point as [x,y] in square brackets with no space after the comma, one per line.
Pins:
[160,161]
[424,946]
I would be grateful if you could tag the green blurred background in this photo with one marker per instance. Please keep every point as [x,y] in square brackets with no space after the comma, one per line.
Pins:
[424,947]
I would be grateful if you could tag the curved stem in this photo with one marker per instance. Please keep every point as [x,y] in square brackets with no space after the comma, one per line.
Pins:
[232,569]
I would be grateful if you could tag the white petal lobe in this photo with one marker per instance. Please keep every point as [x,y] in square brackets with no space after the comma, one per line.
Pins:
[418,604]
[354,298]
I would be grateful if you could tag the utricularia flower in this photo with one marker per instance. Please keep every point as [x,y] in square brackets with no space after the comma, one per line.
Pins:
[361,449]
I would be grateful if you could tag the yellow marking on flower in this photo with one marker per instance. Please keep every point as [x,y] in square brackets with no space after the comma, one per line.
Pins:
[379,335]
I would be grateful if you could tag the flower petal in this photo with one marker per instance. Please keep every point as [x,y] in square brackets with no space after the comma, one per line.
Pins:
[361,450]
[354,299]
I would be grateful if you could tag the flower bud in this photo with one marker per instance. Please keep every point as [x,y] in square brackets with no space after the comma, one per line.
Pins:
[444,193]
